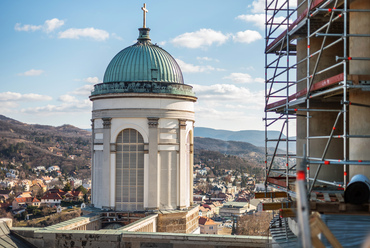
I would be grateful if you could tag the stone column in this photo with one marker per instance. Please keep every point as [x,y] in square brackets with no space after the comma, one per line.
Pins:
[182,163]
[92,160]
[154,190]
[191,161]
[106,163]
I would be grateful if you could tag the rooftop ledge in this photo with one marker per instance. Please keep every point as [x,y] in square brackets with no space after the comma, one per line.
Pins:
[142,87]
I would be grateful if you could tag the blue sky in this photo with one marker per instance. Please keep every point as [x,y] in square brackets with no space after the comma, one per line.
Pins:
[53,52]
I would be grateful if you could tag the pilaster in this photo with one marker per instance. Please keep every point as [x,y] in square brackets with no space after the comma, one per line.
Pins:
[106,173]
[182,163]
[92,161]
[153,184]
[191,164]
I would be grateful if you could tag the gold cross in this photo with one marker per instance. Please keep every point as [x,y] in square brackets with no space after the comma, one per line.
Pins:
[144,14]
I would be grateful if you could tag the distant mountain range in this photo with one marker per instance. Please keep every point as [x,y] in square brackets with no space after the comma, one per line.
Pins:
[255,137]
[44,145]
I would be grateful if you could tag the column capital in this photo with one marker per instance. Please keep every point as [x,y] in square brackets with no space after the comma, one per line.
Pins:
[182,123]
[153,122]
[106,122]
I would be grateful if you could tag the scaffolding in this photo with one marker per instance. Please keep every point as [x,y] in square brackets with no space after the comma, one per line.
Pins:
[320,19]
[299,86]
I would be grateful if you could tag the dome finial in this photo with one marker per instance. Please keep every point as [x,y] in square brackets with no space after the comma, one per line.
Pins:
[144,31]
[144,15]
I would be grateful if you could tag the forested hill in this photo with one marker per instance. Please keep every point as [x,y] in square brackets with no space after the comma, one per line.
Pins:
[35,145]
[70,148]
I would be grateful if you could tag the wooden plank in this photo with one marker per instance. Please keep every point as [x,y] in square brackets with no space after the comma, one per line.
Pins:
[287,212]
[273,194]
[327,197]
[339,197]
[318,226]
[316,242]
[276,205]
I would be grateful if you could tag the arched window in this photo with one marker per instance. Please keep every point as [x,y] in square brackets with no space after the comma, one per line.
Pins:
[129,171]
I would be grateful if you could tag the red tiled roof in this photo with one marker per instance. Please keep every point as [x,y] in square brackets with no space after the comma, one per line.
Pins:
[51,196]
[206,221]
[203,209]
[76,193]
[56,191]
[21,199]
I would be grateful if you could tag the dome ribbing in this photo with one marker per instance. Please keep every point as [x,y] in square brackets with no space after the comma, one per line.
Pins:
[143,62]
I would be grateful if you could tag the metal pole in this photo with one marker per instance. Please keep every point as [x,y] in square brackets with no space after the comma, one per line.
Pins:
[303,208]
[345,139]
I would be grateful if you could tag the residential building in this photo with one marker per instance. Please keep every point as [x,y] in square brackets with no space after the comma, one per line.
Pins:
[47,179]
[53,168]
[25,194]
[233,209]
[205,212]
[23,202]
[207,226]
[5,194]
[38,188]
[51,199]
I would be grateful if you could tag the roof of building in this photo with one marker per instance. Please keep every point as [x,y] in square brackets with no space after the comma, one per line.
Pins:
[143,62]
[235,204]
[9,239]
[255,202]
[51,196]
[203,209]
[23,199]
[206,221]
[5,191]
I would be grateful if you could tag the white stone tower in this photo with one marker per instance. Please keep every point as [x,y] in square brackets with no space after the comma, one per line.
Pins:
[142,129]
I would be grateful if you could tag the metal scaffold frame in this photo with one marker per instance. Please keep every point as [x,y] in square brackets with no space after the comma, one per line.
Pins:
[283,102]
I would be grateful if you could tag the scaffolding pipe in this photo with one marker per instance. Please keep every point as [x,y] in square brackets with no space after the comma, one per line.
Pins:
[321,49]
[273,157]
[325,151]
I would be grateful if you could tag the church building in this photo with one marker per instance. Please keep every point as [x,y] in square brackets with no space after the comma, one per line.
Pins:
[142,129]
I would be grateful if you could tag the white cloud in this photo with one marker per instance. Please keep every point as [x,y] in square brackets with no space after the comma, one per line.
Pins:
[227,92]
[76,33]
[258,6]
[14,96]
[207,59]
[67,98]
[51,25]
[237,77]
[259,19]
[162,43]
[92,80]
[196,68]
[27,27]
[83,91]
[48,26]
[67,107]
[8,107]
[31,72]
[247,36]
[116,36]
[200,39]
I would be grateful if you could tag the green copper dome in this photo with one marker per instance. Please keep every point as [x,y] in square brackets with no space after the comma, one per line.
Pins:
[143,62]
